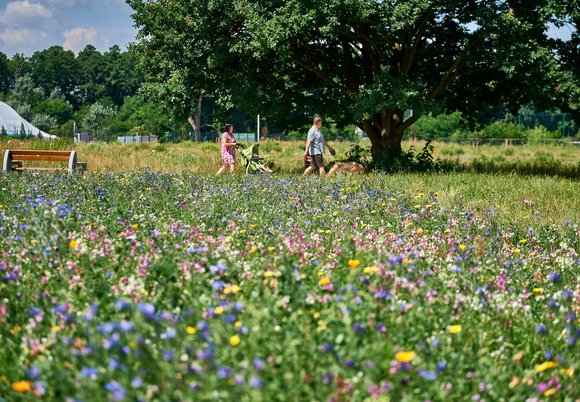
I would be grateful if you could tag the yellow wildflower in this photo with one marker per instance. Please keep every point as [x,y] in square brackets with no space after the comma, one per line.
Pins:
[134,226]
[324,281]
[191,330]
[73,244]
[462,247]
[370,270]
[231,289]
[22,386]
[550,392]
[253,250]
[538,290]
[546,366]
[405,357]
[454,329]
[238,324]
[271,248]
[353,263]
[56,328]
[234,340]
[419,231]
[219,310]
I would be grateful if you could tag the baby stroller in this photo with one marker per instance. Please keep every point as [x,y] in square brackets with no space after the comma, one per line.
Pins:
[252,160]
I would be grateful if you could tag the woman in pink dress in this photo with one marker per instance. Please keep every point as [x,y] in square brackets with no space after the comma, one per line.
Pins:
[228,150]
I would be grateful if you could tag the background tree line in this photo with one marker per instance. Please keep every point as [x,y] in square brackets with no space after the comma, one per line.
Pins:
[118,92]
[92,92]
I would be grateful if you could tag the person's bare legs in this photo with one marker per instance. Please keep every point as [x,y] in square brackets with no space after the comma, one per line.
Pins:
[321,171]
[308,170]
[232,167]
[224,167]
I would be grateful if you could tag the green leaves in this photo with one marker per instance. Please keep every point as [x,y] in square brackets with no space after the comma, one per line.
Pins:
[351,59]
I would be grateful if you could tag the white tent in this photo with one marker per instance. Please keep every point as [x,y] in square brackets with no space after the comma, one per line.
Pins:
[12,122]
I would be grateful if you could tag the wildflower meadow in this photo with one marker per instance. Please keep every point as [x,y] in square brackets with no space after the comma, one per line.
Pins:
[149,286]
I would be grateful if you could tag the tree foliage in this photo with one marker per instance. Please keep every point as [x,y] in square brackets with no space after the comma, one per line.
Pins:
[362,61]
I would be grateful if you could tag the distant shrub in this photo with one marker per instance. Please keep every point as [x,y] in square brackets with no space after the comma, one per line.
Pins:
[441,126]
[160,148]
[408,161]
[270,146]
[500,129]
[539,133]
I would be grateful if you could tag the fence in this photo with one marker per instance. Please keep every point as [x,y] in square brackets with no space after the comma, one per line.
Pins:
[502,141]
[215,137]
[137,139]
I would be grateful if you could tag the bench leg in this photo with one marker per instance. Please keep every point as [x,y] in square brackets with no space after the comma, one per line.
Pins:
[7,165]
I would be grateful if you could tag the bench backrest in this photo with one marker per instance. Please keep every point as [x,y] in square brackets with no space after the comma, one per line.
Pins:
[40,155]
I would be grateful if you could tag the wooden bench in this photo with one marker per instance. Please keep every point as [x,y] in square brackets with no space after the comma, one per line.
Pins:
[13,160]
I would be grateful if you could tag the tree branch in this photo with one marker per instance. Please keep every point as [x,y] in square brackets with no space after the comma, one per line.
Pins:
[452,70]
[315,71]
[410,50]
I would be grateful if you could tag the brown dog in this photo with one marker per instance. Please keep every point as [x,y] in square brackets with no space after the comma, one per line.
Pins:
[347,167]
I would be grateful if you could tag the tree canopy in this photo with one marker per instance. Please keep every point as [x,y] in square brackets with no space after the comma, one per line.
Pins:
[360,61]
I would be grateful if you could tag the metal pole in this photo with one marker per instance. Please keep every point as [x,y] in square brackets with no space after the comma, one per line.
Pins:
[563,124]
[257,129]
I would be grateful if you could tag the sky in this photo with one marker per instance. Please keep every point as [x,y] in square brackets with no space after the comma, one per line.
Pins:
[27,26]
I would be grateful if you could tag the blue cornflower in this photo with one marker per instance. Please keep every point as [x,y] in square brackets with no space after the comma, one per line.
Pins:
[125,326]
[255,382]
[169,333]
[554,276]
[89,372]
[33,311]
[259,364]
[116,389]
[122,305]
[428,375]
[33,373]
[168,355]
[137,382]
[147,309]
[327,347]
[106,328]
[442,365]
[224,372]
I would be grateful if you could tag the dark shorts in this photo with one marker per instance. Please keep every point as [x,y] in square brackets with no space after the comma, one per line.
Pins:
[316,160]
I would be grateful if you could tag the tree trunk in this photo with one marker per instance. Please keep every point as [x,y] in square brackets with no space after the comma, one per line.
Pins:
[385,130]
[196,122]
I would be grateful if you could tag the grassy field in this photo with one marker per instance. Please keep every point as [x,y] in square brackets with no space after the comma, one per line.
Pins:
[204,158]
[167,283]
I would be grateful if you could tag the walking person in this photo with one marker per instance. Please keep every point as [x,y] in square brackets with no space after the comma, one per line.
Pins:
[315,144]
[228,150]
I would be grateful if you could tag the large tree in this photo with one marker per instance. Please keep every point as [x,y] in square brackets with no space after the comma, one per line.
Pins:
[362,61]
